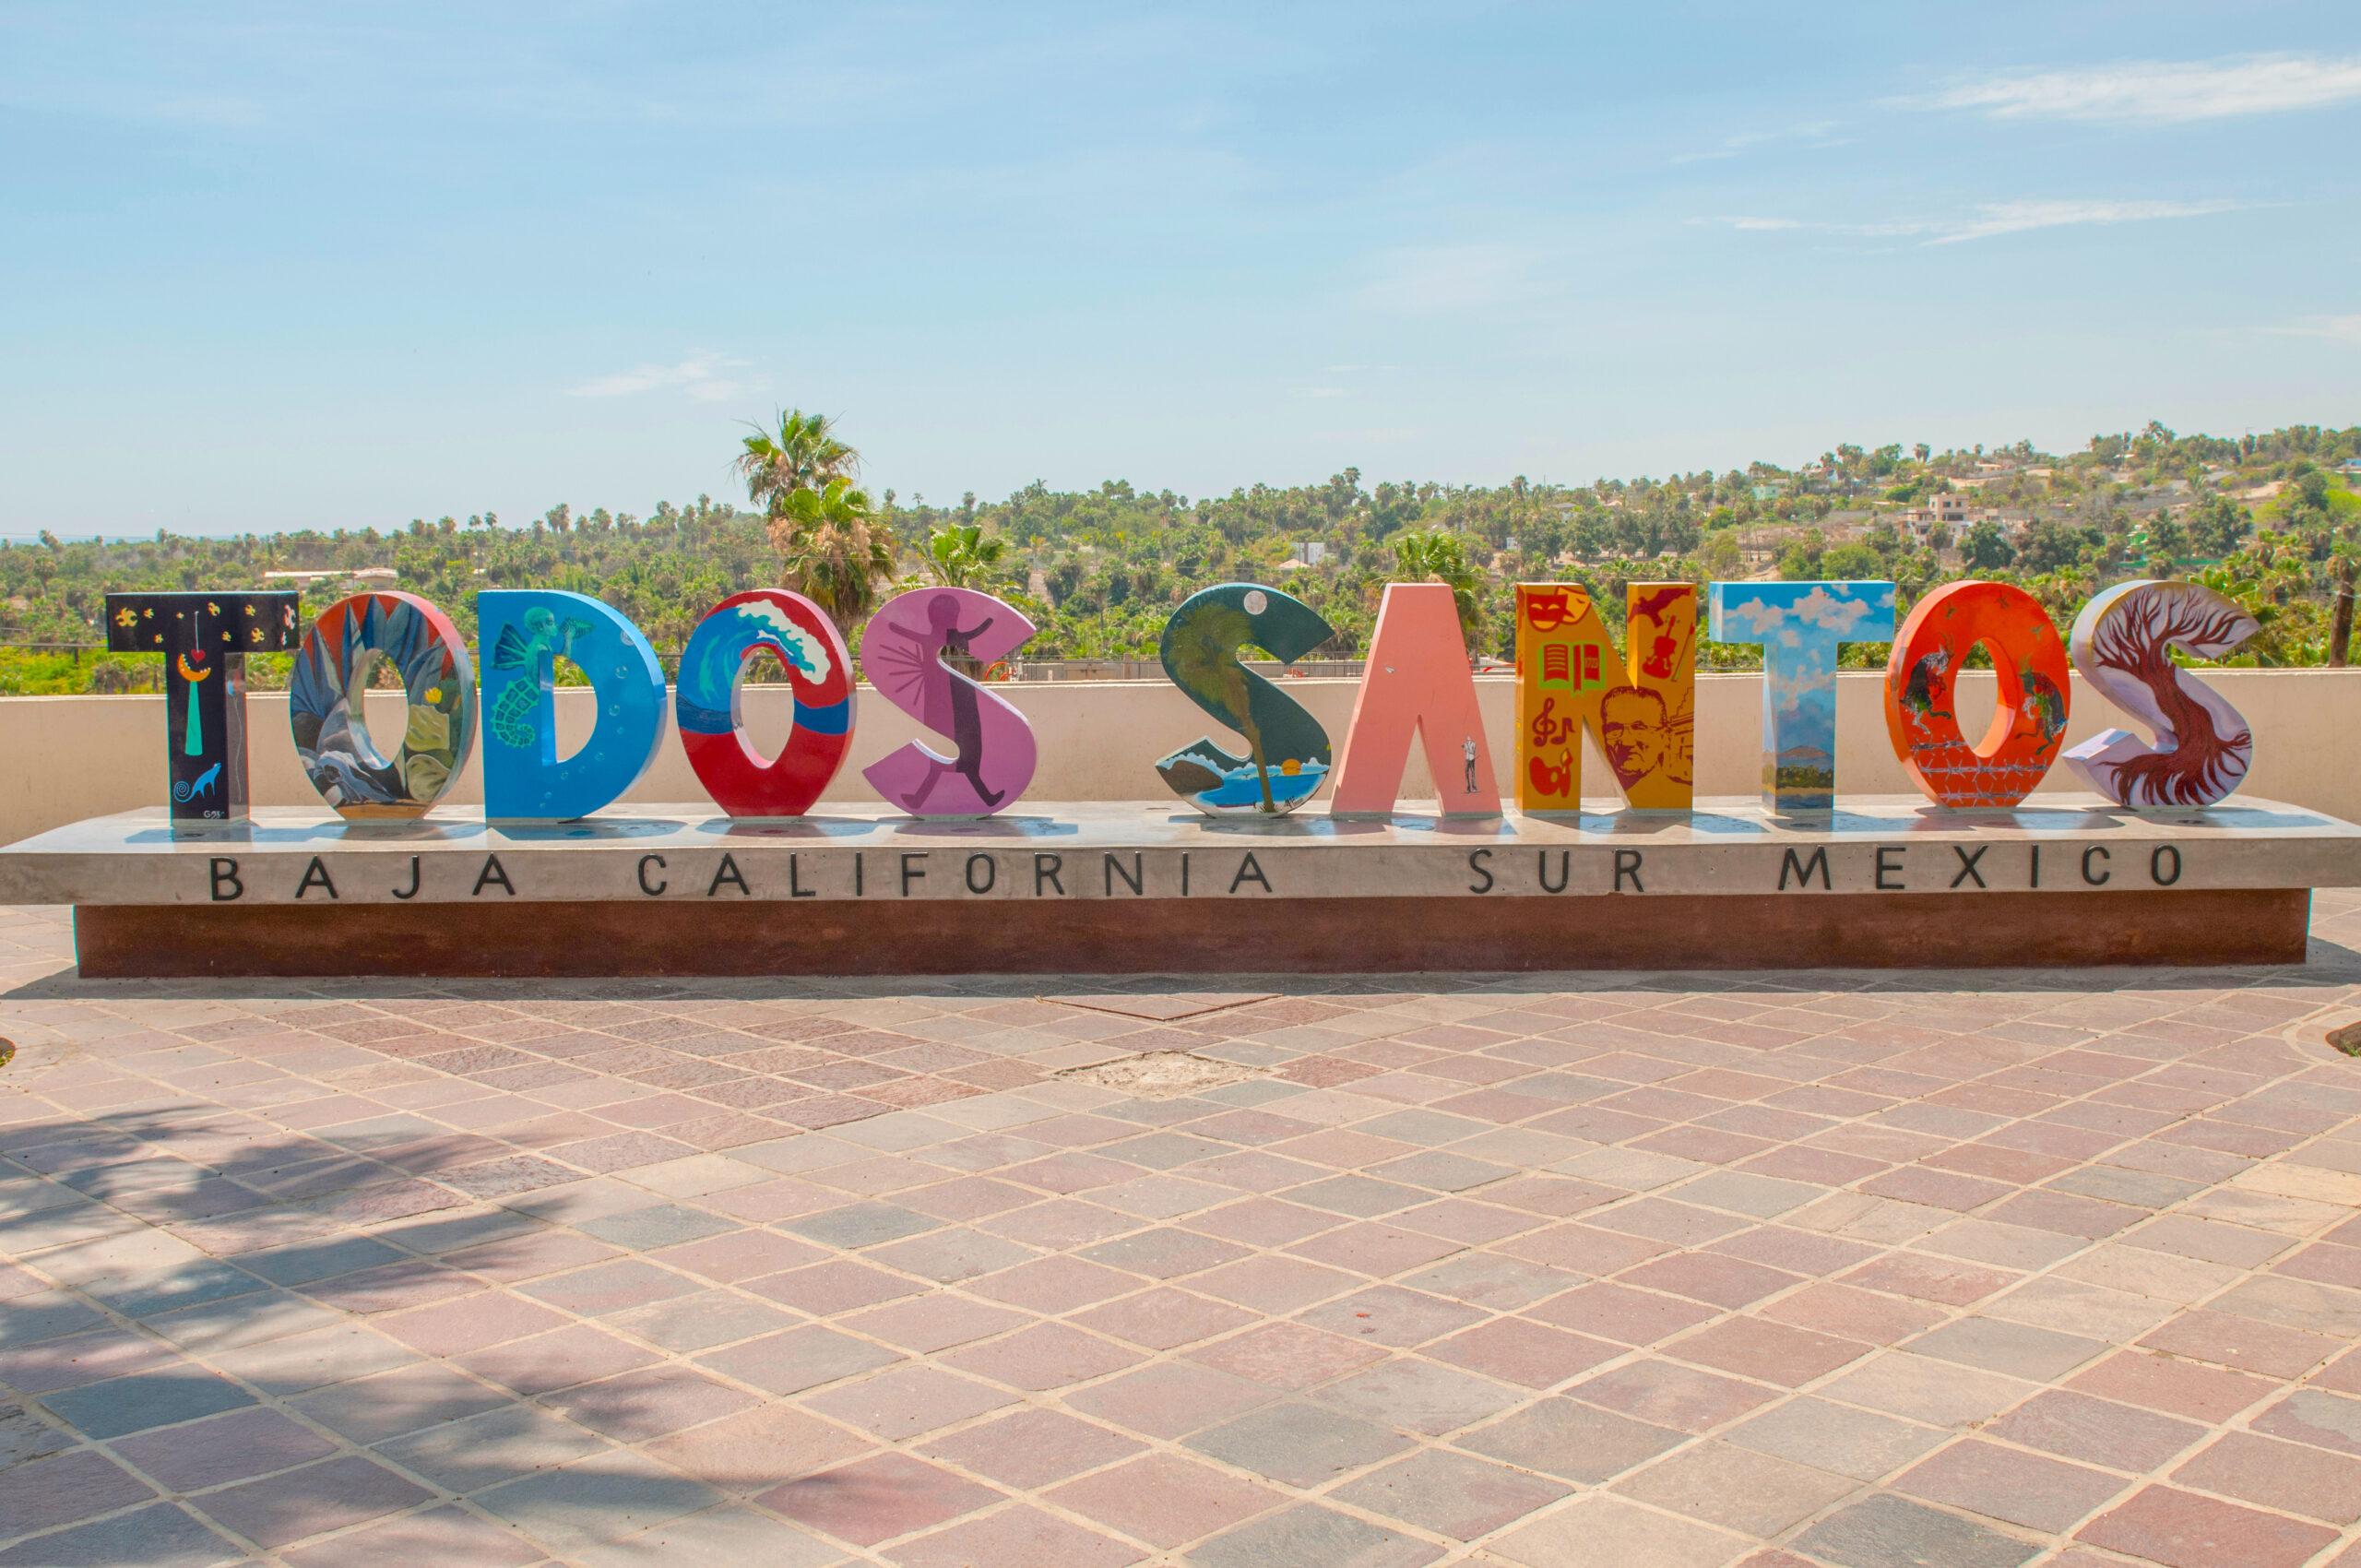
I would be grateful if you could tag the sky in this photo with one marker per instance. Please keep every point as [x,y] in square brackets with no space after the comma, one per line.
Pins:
[285,266]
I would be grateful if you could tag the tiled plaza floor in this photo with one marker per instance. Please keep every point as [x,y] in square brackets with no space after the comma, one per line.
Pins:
[1650,1271]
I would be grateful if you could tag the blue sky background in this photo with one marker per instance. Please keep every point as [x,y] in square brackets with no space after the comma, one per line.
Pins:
[293,265]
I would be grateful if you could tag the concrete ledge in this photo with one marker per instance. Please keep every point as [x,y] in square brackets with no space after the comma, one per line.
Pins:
[1140,854]
[1171,935]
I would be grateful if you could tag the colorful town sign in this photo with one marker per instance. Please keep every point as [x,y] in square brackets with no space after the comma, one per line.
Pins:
[1639,705]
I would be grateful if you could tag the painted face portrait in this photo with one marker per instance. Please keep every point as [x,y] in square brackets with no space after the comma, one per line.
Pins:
[1634,732]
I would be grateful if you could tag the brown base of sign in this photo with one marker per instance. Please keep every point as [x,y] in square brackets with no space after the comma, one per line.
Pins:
[1172,935]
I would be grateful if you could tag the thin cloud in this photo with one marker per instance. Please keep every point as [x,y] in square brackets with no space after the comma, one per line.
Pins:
[706,378]
[1811,133]
[2159,91]
[2333,329]
[2000,218]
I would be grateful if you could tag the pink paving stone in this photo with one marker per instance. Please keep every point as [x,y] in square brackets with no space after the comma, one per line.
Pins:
[1927,1279]
[1273,1284]
[1710,1277]
[393,1286]
[1555,1195]
[1938,1189]
[2291,1477]
[826,1289]
[1622,1313]
[1059,1222]
[64,1489]
[1798,1252]
[225,1448]
[2003,1484]
[1583,1249]
[1048,1355]
[440,1535]
[58,1364]
[1669,1396]
[1163,1318]
[1824,1168]
[1169,1399]
[2098,1431]
[1031,1448]
[560,1360]
[969,1197]
[1069,1173]
[1850,1314]
[1054,1284]
[648,1403]
[764,1201]
[876,1499]
[1013,1537]
[1288,1356]
[1167,1501]
[935,1322]
[2181,1530]
[907,1401]
[1528,1353]
[529,1257]
[2161,1383]
[1264,1222]
[758,1448]
[294,1505]
[741,1254]
[2247,1344]
[1768,1352]
[470,1323]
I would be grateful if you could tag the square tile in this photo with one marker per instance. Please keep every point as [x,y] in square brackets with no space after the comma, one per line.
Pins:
[1300,1445]
[876,1499]
[2006,1484]
[1309,1535]
[1573,1442]
[1165,1499]
[1608,1529]
[1032,1448]
[907,1401]
[1738,1488]
[1451,1494]
[2165,1524]
[1881,1531]
[298,1504]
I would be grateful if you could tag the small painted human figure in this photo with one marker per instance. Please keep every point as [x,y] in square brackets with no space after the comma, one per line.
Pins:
[1467,752]
[966,726]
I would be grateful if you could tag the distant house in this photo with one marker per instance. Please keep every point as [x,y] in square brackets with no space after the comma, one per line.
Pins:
[385,574]
[1312,551]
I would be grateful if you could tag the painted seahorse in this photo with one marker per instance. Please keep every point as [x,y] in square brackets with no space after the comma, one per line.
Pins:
[510,717]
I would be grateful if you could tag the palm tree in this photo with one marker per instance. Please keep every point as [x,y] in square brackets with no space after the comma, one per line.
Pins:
[834,548]
[961,552]
[1440,557]
[804,456]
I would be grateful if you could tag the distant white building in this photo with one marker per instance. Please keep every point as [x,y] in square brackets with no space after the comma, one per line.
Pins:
[1312,551]
[385,574]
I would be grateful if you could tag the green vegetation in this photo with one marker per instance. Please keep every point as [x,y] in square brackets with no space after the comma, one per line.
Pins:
[1100,570]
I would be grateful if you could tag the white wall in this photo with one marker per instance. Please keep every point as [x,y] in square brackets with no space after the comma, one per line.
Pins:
[65,758]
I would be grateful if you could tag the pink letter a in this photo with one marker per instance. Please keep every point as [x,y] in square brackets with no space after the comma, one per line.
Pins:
[1417,680]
